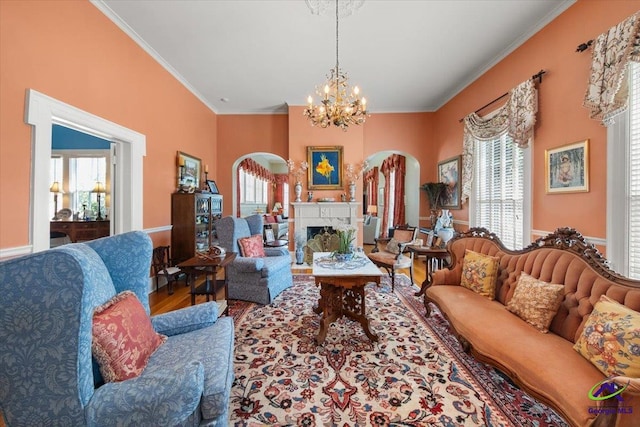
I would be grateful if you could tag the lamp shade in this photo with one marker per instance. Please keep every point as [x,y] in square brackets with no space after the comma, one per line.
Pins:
[277,206]
[98,188]
[55,187]
[372,209]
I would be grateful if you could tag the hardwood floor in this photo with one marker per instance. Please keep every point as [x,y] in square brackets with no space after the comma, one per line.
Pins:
[161,302]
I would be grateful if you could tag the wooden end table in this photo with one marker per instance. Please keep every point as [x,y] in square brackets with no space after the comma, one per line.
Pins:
[209,266]
[435,258]
[342,291]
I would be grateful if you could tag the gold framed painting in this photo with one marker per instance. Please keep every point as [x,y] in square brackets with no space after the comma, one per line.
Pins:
[449,173]
[567,168]
[325,168]
[189,169]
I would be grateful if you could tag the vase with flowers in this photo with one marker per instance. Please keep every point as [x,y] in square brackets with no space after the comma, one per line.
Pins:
[346,236]
[297,172]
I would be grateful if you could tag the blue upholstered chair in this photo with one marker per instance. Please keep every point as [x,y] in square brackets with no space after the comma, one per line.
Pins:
[253,279]
[47,375]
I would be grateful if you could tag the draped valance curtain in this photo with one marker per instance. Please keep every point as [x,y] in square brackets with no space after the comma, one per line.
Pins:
[395,163]
[370,179]
[516,118]
[607,91]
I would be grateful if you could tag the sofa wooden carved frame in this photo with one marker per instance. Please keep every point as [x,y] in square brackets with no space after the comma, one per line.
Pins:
[565,239]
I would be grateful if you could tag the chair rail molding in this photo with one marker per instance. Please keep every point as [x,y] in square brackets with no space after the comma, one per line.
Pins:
[42,113]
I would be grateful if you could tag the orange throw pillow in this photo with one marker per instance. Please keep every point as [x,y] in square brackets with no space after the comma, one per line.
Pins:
[251,247]
[479,273]
[123,337]
[536,302]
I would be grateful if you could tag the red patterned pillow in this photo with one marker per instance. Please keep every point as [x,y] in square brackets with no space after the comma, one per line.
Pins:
[123,337]
[270,219]
[251,247]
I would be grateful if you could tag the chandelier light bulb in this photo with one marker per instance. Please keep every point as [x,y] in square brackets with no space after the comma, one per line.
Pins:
[356,91]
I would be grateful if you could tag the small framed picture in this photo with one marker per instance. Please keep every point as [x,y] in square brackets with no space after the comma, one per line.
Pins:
[325,168]
[189,170]
[449,173]
[268,235]
[567,168]
[429,240]
[213,188]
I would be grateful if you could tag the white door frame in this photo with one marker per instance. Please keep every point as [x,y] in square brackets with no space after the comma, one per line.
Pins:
[42,113]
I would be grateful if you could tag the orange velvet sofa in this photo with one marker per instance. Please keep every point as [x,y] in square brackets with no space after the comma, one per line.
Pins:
[543,364]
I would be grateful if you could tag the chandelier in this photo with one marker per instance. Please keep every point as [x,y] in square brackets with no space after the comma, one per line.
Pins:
[339,106]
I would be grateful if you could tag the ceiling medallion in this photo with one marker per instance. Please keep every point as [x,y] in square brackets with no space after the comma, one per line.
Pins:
[339,106]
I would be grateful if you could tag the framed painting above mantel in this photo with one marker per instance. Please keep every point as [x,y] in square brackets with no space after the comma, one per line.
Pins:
[325,168]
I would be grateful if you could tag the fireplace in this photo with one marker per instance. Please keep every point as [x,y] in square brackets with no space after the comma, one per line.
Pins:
[313,230]
[319,215]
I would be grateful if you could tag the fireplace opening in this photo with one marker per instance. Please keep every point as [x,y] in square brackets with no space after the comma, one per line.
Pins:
[313,231]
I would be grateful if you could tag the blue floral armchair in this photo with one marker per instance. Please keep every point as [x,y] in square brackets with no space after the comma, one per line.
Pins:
[47,374]
[253,279]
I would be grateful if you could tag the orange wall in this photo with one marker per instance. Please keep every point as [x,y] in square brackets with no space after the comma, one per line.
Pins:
[561,118]
[71,51]
[240,135]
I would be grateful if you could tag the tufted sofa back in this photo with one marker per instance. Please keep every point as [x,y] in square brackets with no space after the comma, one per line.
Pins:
[561,258]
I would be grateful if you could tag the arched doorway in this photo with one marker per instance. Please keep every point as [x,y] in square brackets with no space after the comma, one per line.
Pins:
[275,165]
[412,184]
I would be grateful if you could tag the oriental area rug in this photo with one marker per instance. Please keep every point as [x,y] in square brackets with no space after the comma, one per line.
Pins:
[415,375]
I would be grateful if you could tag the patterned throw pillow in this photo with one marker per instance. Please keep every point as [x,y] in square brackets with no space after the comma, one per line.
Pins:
[479,273]
[123,337]
[393,247]
[611,339]
[251,247]
[536,302]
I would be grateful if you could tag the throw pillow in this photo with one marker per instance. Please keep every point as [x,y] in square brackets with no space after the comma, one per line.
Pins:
[393,246]
[251,247]
[479,273]
[123,337]
[611,339]
[270,219]
[536,302]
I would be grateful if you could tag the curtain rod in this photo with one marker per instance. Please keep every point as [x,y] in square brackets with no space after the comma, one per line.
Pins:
[537,76]
[584,46]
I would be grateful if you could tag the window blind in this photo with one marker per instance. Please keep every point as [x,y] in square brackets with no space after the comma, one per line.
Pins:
[499,189]
[633,189]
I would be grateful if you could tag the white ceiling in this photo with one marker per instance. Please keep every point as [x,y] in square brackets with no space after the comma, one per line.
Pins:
[260,55]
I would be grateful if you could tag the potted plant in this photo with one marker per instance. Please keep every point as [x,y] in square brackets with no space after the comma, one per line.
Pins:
[346,236]
[436,192]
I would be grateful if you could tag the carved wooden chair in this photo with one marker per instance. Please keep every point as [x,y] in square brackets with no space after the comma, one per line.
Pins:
[162,267]
[390,252]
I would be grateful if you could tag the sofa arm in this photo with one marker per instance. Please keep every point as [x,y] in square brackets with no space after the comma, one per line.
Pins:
[158,398]
[276,251]
[446,277]
[248,265]
[186,319]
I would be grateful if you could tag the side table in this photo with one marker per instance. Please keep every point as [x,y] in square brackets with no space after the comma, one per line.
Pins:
[435,258]
[276,243]
[209,266]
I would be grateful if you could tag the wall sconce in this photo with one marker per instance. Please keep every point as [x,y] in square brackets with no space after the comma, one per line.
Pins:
[55,189]
[372,210]
[99,188]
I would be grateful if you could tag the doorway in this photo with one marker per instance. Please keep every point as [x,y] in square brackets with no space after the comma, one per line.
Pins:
[42,113]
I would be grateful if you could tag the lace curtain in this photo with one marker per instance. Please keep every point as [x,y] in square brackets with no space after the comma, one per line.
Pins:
[606,93]
[516,118]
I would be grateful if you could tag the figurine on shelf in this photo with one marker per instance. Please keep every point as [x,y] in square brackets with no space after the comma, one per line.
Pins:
[309,196]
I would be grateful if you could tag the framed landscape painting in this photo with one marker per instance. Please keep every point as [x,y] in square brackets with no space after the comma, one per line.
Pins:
[325,168]
[192,168]
[449,173]
[567,168]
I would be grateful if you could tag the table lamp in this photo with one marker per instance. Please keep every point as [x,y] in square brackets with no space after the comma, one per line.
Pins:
[372,210]
[99,188]
[55,189]
[277,207]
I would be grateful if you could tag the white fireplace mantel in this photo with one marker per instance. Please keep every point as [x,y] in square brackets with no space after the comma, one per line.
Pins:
[324,214]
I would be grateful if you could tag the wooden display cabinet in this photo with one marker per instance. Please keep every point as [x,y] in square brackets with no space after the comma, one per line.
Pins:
[193,216]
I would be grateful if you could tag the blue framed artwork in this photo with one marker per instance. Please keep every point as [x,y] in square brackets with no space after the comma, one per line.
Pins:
[325,168]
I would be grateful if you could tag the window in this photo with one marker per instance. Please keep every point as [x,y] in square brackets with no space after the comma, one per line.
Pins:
[498,201]
[84,172]
[623,184]
[253,189]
